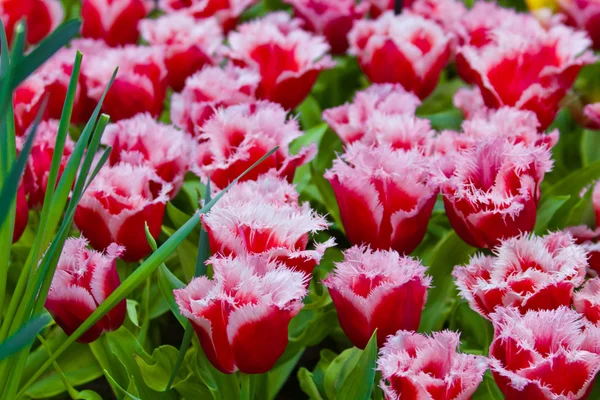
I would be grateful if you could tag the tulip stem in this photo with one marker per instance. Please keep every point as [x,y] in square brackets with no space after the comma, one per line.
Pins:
[246,382]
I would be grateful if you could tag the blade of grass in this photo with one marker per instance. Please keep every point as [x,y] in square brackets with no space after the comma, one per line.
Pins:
[24,336]
[139,275]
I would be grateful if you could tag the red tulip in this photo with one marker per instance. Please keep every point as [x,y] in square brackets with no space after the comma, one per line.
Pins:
[420,367]
[378,7]
[140,85]
[21,214]
[289,59]
[385,196]
[227,12]
[587,300]
[188,44]
[377,290]
[35,177]
[552,58]
[113,21]
[588,239]
[446,13]
[529,273]
[492,190]
[142,140]
[584,14]
[592,113]
[543,354]
[42,16]
[351,120]
[405,49]
[83,280]
[265,217]
[208,90]
[116,207]
[241,316]
[237,136]
[332,19]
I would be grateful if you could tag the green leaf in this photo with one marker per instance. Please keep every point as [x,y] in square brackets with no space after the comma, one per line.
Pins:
[132,311]
[547,209]
[359,382]
[24,336]
[309,114]
[167,282]
[488,390]
[590,147]
[116,384]
[157,370]
[277,376]
[307,384]
[451,119]
[203,244]
[574,182]
[337,371]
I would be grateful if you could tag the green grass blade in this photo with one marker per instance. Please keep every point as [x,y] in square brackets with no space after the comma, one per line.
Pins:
[24,336]
[46,49]
[4,52]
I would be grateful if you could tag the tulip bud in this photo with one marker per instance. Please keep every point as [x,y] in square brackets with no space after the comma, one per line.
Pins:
[385,196]
[188,44]
[289,59]
[226,12]
[351,120]
[377,290]
[118,204]
[207,91]
[265,217]
[543,354]
[241,316]
[42,16]
[332,19]
[420,367]
[529,273]
[83,280]
[405,49]
[114,22]
[237,136]
[141,140]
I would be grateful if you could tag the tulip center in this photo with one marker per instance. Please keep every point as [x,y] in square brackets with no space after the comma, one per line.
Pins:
[362,285]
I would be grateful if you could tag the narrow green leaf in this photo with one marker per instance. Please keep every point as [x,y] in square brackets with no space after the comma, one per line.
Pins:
[308,385]
[575,181]
[277,377]
[548,207]
[24,336]
[203,247]
[167,282]
[359,383]
[116,384]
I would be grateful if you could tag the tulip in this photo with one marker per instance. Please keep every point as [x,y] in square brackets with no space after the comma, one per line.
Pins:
[378,7]
[585,15]
[114,22]
[226,12]
[470,102]
[588,239]
[83,280]
[528,273]
[35,177]
[117,205]
[587,300]
[140,85]
[143,140]
[350,121]
[543,354]
[494,189]
[241,316]
[377,290]
[385,195]
[207,90]
[289,59]
[265,217]
[592,113]
[237,136]
[553,58]
[188,44]
[42,16]
[420,367]
[446,13]
[332,19]
[405,49]
[21,214]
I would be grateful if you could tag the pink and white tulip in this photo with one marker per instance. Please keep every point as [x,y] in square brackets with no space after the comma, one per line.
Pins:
[42,16]
[188,44]
[226,12]
[528,273]
[385,195]
[494,189]
[588,239]
[141,140]
[265,217]
[118,204]
[350,121]
[113,21]
[420,367]
[241,316]
[592,114]
[208,90]
[585,15]
[377,290]
[543,354]
[236,137]
[289,59]
[405,49]
[587,300]
[332,19]
[83,280]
